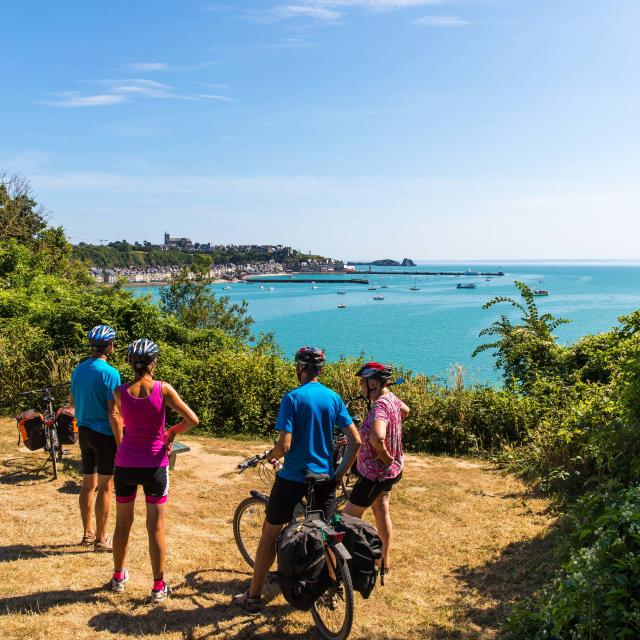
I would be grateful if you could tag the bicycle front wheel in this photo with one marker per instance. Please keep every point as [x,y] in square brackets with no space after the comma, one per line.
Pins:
[333,611]
[247,526]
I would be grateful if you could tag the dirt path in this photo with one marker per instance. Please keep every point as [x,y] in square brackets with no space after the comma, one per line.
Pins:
[469,541]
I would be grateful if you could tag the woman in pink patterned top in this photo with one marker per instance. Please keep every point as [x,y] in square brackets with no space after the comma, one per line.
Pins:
[380,459]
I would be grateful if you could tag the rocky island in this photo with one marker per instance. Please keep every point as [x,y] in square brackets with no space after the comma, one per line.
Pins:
[406,262]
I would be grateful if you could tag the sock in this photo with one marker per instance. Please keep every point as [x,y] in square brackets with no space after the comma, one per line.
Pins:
[118,575]
[158,585]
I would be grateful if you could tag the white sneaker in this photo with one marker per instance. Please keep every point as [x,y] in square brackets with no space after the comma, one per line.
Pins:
[161,594]
[117,586]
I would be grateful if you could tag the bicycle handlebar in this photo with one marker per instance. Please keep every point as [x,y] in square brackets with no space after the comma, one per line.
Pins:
[254,460]
[44,389]
[251,462]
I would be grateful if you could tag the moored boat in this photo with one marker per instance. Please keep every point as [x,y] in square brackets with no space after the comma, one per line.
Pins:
[466,285]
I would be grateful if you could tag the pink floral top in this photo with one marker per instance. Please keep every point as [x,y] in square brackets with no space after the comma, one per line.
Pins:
[386,407]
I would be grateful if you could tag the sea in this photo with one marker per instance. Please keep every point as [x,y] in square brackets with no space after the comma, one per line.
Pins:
[425,323]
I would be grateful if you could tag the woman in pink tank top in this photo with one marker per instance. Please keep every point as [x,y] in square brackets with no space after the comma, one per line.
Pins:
[143,458]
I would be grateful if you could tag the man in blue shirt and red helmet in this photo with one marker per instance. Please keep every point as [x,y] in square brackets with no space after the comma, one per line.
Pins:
[305,422]
[92,385]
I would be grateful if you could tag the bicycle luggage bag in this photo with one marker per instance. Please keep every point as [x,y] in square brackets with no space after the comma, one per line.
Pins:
[302,569]
[365,547]
[67,426]
[31,429]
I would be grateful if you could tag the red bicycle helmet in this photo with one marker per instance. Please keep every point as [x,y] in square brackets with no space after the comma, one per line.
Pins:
[375,370]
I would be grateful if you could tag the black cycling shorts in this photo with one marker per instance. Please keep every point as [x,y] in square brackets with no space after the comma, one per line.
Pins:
[365,491]
[154,481]
[286,494]
[98,452]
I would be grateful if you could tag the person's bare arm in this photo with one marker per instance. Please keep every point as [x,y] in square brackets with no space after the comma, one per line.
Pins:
[115,419]
[280,448]
[71,401]
[404,410]
[175,402]
[351,452]
[377,438]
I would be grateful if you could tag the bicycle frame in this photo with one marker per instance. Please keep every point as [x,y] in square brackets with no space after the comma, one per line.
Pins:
[315,518]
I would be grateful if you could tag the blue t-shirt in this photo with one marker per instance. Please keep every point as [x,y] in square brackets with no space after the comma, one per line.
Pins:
[309,413]
[92,384]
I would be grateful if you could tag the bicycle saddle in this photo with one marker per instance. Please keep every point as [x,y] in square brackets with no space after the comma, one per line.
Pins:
[315,478]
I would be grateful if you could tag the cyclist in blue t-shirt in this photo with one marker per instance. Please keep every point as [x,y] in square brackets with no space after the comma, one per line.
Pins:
[305,422]
[92,384]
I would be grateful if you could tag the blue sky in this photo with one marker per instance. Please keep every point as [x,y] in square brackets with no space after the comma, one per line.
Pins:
[432,129]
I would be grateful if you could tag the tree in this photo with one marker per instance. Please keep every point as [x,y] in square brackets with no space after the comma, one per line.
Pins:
[20,216]
[191,300]
[525,350]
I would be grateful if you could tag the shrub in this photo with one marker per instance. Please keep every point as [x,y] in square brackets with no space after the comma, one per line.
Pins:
[597,592]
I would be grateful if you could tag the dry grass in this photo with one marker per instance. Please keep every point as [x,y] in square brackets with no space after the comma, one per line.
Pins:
[469,541]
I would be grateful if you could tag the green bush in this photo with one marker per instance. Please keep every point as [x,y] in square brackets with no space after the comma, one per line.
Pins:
[597,592]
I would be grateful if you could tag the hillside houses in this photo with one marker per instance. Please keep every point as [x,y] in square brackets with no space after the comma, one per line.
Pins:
[161,275]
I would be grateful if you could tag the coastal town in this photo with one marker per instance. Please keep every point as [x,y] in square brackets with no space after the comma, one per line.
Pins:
[262,260]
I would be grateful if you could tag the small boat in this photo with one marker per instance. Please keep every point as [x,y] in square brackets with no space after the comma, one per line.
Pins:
[540,292]
[261,287]
[342,293]
[315,287]
[378,297]
[487,279]
[466,285]
[373,288]
[226,288]
[384,286]
[342,306]
[414,288]
[271,289]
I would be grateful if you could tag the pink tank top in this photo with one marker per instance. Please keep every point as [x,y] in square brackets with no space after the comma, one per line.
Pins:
[144,420]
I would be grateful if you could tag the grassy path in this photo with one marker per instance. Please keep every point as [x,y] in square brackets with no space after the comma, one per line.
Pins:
[469,541]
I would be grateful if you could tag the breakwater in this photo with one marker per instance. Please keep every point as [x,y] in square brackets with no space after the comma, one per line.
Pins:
[307,280]
[466,274]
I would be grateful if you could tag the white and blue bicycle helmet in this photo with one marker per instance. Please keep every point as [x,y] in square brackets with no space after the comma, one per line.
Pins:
[101,336]
[142,352]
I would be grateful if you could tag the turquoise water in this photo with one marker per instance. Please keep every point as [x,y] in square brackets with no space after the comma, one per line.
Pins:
[431,329]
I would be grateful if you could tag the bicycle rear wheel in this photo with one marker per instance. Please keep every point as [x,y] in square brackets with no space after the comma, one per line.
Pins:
[247,526]
[53,451]
[333,611]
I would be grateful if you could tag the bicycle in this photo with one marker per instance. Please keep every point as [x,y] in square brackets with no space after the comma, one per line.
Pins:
[51,443]
[332,612]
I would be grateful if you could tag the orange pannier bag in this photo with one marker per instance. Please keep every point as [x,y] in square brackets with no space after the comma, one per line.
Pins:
[31,429]
[67,425]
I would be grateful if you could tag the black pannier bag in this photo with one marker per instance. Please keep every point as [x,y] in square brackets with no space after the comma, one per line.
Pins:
[365,547]
[302,569]
[31,429]
[67,426]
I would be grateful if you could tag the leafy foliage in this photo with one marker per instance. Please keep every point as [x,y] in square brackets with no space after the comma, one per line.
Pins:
[595,595]
[192,300]
[526,350]
[20,217]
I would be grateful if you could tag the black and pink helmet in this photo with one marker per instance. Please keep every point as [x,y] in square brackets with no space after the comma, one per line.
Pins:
[375,370]
[310,356]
